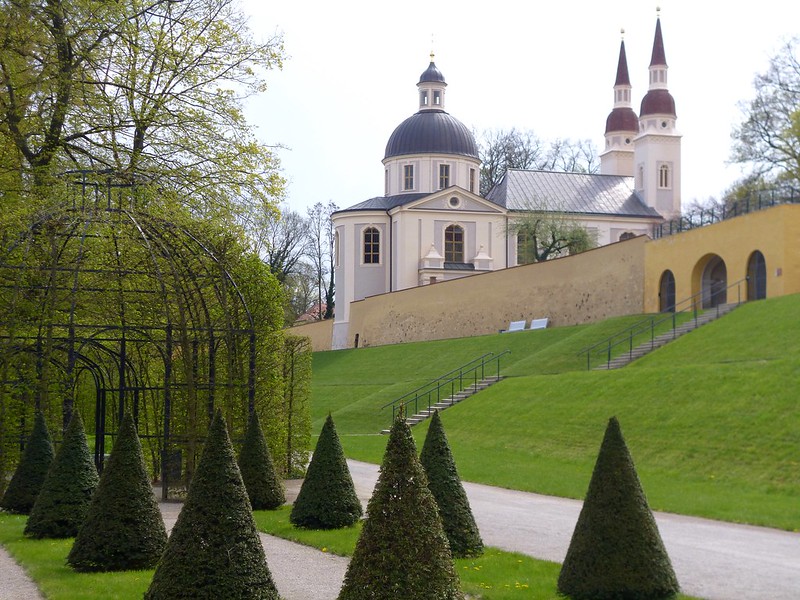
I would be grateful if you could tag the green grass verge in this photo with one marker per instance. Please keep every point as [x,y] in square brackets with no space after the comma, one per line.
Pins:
[45,562]
[497,575]
[710,419]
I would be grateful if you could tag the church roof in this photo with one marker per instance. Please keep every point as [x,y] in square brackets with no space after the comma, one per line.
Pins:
[577,193]
[431,132]
[385,202]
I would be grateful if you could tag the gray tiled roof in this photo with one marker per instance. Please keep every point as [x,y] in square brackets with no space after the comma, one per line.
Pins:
[384,202]
[579,193]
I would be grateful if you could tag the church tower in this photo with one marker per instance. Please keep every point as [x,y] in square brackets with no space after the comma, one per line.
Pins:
[622,125]
[657,148]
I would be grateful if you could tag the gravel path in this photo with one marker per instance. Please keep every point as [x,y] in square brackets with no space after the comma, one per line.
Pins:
[713,560]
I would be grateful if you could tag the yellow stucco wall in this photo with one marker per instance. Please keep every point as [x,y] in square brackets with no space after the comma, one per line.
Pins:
[591,286]
[320,333]
[774,232]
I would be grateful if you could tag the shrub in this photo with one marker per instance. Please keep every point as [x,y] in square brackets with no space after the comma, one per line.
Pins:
[123,529]
[264,489]
[66,493]
[327,498]
[214,550]
[616,551]
[31,472]
[445,485]
[402,551]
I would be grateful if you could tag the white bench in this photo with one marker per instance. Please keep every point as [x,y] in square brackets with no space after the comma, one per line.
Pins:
[538,323]
[514,326]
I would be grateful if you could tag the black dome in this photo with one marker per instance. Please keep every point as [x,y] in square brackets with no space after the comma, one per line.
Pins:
[431,132]
[432,73]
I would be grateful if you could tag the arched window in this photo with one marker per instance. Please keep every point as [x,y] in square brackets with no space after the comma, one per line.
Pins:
[663,177]
[372,246]
[454,244]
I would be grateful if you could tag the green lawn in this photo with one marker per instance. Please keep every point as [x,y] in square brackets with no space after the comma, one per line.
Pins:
[497,575]
[712,420]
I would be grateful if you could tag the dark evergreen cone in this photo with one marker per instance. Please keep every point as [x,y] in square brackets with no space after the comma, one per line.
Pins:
[445,485]
[616,552]
[31,471]
[66,493]
[264,489]
[402,551]
[214,550]
[327,498]
[123,529]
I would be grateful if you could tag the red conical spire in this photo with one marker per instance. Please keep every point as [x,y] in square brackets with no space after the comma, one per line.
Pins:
[658,57]
[622,67]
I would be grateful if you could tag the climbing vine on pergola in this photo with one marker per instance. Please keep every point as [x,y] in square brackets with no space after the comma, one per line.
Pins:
[107,304]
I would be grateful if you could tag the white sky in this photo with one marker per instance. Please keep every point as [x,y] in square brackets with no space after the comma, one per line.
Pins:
[353,68]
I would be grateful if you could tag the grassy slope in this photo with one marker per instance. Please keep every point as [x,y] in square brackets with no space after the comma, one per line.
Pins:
[712,420]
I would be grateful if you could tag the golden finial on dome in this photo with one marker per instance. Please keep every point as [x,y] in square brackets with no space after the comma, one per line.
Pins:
[431,47]
[622,33]
[658,12]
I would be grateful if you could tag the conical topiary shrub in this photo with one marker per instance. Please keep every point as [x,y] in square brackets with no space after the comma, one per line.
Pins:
[402,551]
[327,498]
[616,551]
[66,493]
[214,550]
[31,471]
[445,485]
[123,529]
[264,489]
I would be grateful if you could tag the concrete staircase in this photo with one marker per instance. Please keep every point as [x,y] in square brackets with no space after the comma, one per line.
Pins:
[665,338]
[444,403]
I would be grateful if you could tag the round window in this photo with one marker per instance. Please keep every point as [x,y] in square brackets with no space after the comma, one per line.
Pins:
[455,202]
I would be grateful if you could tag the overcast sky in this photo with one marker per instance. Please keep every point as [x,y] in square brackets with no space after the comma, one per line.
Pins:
[353,66]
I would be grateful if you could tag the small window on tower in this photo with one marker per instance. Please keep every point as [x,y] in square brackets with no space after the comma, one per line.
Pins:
[408,177]
[663,177]
[472,180]
[423,98]
[437,98]
[444,176]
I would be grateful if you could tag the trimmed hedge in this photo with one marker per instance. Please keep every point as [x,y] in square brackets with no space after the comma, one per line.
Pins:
[616,552]
[327,497]
[264,489]
[31,471]
[402,551]
[445,485]
[214,550]
[66,493]
[123,529]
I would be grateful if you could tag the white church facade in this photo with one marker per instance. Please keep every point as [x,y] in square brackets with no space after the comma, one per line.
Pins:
[432,225]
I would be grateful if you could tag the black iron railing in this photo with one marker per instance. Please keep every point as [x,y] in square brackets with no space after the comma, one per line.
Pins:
[447,385]
[700,217]
[646,330]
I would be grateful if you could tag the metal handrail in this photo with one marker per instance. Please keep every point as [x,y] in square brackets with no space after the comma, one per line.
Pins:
[650,323]
[454,379]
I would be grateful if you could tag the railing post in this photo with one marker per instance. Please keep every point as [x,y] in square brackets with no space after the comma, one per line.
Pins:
[630,344]
[608,362]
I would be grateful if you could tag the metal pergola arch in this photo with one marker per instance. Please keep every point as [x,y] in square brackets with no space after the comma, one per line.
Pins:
[141,303]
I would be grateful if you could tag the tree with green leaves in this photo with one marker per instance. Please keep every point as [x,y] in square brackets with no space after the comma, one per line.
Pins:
[768,138]
[123,529]
[151,89]
[445,485]
[264,489]
[214,550]
[616,552]
[31,471]
[327,497]
[402,551]
[63,501]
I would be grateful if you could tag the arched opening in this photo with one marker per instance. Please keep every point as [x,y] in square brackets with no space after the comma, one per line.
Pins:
[756,276]
[714,283]
[666,292]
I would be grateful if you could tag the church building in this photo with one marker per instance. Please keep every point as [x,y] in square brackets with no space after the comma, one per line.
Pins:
[431,224]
